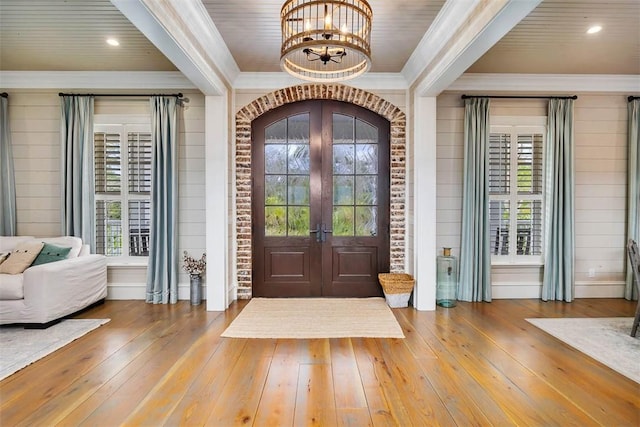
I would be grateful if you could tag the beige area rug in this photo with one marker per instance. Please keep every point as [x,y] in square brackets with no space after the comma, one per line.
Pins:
[605,339]
[21,347]
[315,318]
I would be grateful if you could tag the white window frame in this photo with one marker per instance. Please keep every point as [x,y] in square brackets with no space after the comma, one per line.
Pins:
[515,125]
[123,125]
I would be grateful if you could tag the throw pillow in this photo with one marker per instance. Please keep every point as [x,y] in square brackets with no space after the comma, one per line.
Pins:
[21,257]
[51,253]
[3,256]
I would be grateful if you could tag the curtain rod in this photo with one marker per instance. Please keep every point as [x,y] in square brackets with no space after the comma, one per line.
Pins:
[4,94]
[631,98]
[177,95]
[519,97]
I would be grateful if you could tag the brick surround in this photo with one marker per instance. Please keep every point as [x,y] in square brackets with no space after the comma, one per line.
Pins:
[337,92]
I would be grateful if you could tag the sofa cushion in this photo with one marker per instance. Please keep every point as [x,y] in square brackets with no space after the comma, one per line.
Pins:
[11,287]
[51,253]
[75,243]
[21,257]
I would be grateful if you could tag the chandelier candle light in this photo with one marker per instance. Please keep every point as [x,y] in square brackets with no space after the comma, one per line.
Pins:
[326,41]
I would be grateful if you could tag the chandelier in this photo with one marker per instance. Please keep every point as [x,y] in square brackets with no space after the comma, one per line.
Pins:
[326,41]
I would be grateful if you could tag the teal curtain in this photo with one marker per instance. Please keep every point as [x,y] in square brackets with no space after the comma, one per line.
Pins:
[77,198]
[633,187]
[475,255]
[7,178]
[558,279]
[162,271]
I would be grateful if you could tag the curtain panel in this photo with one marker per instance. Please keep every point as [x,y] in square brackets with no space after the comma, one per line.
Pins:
[475,255]
[77,189]
[633,188]
[162,270]
[558,278]
[8,220]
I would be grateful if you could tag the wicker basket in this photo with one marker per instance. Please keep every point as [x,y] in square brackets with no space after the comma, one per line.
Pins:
[396,283]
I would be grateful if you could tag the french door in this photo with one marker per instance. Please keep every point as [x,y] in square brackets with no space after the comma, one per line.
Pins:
[320,198]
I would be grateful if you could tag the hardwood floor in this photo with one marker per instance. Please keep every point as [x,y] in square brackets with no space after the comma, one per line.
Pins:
[475,364]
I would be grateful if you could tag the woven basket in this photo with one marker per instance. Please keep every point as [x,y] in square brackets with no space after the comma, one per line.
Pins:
[396,283]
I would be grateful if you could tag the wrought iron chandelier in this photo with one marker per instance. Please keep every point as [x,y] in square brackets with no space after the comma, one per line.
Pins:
[326,41]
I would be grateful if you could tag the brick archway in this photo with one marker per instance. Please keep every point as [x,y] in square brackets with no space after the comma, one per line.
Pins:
[337,92]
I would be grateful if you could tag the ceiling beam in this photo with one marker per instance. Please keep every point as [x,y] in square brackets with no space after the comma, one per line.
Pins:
[184,32]
[461,33]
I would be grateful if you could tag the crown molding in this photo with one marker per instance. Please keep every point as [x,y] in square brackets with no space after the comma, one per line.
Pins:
[477,82]
[92,80]
[278,80]
[547,83]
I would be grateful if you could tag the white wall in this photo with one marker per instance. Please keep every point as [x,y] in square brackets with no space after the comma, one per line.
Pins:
[35,130]
[600,158]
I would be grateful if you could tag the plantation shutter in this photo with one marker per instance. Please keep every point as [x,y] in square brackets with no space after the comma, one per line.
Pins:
[122,173]
[499,185]
[139,163]
[140,153]
[108,181]
[108,158]
[529,183]
[515,191]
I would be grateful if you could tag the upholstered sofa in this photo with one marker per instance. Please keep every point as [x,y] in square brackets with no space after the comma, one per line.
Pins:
[45,293]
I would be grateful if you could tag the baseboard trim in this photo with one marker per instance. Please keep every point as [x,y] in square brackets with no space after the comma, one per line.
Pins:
[608,289]
[516,290]
[613,289]
[137,291]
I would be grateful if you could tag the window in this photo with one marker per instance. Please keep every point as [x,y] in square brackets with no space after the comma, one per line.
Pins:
[516,190]
[122,169]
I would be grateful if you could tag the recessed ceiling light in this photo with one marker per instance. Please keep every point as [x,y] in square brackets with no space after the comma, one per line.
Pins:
[113,42]
[594,29]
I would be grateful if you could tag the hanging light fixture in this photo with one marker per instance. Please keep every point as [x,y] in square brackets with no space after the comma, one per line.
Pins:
[326,41]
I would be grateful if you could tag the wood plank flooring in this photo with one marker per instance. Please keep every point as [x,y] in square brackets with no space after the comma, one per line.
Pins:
[476,364]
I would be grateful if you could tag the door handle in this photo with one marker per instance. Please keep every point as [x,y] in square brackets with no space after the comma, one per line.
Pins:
[324,233]
[318,232]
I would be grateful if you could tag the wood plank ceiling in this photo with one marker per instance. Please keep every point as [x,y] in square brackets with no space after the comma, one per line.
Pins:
[69,35]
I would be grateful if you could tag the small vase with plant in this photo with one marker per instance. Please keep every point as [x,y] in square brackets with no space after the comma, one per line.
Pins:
[195,268]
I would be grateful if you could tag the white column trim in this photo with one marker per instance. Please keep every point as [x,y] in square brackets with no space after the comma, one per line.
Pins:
[184,32]
[216,200]
[485,26]
[441,30]
[424,151]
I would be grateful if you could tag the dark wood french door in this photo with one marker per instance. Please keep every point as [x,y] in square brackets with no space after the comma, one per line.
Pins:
[320,199]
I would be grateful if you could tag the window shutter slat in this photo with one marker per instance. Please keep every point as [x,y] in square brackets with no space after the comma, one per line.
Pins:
[107,160]
[139,163]
[108,228]
[529,164]
[529,232]
[139,222]
[499,163]
[499,220]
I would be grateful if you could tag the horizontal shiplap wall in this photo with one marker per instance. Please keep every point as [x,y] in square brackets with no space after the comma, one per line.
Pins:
[35,130]
[601,168]
[34,121]
[600,159]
